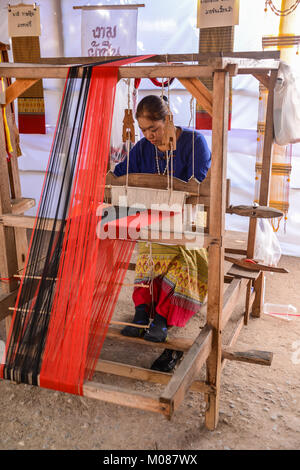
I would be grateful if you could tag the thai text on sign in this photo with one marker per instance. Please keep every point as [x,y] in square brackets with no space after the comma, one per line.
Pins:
[24,21]
[108,32]
[216,13]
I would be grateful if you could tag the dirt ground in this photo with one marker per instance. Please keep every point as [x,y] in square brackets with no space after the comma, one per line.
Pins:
[259,406]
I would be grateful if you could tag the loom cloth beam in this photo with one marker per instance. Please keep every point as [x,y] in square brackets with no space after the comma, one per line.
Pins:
[207,68]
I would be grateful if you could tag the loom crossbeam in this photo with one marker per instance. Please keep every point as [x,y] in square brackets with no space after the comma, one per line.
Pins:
[207,348]
[208,66]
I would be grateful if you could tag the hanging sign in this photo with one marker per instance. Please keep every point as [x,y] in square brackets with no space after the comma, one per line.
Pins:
[111,30]
[216,13]
[108,31]
[24,20]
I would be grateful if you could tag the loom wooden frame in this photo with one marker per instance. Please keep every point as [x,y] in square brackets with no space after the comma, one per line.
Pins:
[207,348]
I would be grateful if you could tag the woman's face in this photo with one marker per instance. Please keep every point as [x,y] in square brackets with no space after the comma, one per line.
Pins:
[152,130]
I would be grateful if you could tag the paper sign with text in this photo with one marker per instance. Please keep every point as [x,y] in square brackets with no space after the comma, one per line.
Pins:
[24,21]
[106,32]
[109,32]
[217,13]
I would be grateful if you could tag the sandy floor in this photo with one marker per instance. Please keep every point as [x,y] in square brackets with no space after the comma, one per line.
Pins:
[259,408]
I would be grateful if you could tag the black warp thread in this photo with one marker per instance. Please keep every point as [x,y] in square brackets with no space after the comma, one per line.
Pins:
[29,333]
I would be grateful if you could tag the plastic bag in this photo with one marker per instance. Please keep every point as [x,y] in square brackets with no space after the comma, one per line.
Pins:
[287,106]
[267,247]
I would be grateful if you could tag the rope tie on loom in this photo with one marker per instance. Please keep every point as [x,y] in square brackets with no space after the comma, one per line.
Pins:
[128,140]
[192,120]
[193,106]
[152,274]
[171,155]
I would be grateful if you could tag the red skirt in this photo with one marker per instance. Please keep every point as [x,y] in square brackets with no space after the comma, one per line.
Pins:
[160,296]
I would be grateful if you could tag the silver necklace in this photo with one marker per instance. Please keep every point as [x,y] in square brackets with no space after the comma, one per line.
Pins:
[157,164]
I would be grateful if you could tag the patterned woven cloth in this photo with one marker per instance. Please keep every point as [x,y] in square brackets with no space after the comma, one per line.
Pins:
[219,39]
[177,278]
[31,107]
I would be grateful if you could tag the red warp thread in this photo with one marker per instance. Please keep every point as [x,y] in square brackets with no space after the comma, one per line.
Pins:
[14,317]
[91,270]
[89,275]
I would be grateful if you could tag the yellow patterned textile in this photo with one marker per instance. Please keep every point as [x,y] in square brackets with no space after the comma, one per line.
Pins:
[184,271]
[31,105]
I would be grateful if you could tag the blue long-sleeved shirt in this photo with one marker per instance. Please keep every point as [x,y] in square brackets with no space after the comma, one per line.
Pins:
[142,157]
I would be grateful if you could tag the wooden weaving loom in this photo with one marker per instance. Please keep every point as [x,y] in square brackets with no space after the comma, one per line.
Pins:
[208,348]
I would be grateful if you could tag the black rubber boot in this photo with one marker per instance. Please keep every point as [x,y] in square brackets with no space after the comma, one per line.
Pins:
[141,317]
[158,331]
[167,360]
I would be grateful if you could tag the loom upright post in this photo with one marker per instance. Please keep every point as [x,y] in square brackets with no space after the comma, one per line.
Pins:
[13,240]
[264,193]
[216,229]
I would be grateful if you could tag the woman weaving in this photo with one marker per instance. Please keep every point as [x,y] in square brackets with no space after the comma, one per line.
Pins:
[179,285]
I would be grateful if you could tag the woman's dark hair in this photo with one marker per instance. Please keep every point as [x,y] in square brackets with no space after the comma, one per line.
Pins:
[152,107]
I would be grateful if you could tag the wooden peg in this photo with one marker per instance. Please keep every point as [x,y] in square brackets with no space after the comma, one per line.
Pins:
[169,138]
[263,212]
[128,126]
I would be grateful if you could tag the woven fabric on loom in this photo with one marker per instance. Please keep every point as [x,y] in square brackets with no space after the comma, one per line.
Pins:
[219,39]
[31,107]
[72,278]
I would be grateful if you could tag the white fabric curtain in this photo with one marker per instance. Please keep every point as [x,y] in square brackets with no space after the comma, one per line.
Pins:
[166,27]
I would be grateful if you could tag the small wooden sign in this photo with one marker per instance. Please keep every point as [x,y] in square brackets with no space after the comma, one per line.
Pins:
[216,13]
[24,20]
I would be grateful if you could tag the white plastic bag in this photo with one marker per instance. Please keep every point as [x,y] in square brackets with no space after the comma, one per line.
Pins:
[267,247]
[287,106]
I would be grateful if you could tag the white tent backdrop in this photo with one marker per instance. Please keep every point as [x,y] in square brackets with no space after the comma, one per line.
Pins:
[166,27]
